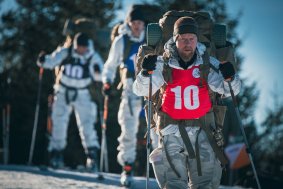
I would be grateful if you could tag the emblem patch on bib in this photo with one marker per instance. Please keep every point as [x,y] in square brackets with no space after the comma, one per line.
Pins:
[196,73]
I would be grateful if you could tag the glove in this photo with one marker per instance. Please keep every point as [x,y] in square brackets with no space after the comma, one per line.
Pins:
[41,57]
[106,89]
[148,64]
[96,68]
[227,70]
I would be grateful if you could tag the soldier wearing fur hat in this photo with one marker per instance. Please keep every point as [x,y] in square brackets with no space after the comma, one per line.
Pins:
[122,54]
[187,82]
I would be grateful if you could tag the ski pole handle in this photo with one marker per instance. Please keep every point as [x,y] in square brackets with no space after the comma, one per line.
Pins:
[41,70]
[105,112]
[150,72]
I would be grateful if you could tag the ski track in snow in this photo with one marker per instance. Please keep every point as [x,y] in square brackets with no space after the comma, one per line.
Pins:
[28,177]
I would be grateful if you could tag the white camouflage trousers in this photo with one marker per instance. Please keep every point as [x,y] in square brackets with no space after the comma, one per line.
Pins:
[85,112]
[187,168]
[129,122]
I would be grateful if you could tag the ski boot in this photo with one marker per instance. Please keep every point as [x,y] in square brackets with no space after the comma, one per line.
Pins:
[127,175]
[57,159]
[92,160]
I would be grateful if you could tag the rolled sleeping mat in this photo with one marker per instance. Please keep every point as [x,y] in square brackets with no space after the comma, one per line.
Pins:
[69,28]
[219,34]
[154,34]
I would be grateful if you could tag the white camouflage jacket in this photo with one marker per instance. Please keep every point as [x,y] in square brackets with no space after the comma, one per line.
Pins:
[116,53]
[54,60]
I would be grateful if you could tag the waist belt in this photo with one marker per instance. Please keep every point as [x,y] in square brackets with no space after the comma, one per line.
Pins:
[165,120]
[71,93]
[72,88]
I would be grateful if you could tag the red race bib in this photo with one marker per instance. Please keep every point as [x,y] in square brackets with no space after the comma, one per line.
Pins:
[184,98]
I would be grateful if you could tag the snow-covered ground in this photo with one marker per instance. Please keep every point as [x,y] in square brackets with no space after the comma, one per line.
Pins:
[27,177]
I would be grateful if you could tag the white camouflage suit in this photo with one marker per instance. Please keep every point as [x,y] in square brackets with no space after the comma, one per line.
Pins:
[74,78]
[210,165]
[129,123]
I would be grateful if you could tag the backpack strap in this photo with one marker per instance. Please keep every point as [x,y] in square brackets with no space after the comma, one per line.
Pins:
[206,122]
[127,46]
[167,75]
[68,58]
[126,52]
[64,62]
[204,71]
[204,68]
[186,139]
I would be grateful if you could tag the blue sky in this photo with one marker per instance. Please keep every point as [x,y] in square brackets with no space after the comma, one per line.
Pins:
[261,30]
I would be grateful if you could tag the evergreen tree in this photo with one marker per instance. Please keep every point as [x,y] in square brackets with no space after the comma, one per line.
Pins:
[269,143]
[34,26]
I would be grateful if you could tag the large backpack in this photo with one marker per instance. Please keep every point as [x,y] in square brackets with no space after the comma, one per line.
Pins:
[204,20]
[84,25]
[212,35]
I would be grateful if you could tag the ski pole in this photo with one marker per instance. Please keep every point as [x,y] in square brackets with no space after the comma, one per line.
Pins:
[4,134]
[6,160]
[104,152]
[243,132]
[154,36]
[148,129]
[105,116]
[36,116]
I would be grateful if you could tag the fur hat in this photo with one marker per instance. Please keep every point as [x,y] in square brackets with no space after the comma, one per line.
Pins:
[135,14]
[185,25]
[81,39]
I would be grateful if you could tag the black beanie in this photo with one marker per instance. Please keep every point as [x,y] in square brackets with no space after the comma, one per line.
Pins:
[81,39]
[185,25]
[135,14]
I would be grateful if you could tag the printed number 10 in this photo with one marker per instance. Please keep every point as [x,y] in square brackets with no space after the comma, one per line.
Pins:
[190,96]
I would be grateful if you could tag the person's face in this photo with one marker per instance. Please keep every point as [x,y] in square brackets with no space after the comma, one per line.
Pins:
[186,45]
[137,26]
[81,50]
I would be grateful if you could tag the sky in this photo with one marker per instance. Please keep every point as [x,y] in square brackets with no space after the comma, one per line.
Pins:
[260,29]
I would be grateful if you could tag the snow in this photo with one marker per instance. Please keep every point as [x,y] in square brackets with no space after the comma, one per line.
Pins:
[28,177]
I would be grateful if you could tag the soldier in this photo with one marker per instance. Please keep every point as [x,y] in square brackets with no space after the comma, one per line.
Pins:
[122,53]
[79,65]
[191,145]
